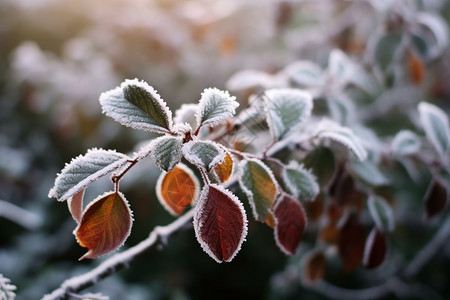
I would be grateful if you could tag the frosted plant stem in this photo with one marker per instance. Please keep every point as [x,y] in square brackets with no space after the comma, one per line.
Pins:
[120,260]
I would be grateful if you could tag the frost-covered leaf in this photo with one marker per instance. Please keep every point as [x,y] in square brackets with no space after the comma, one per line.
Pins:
[338,64]
[435,199]
[304,73]
[290,223]
[258,183]
[386,48]
[249,79]
[405,142]
[105,225]
[137,105]
[186,114]
[435,123]
[351,243]
[84,170]
[313,266]
[6,289]
[300,181]
[331,130]
[381,213]
[341,108]
[438,26]
[375,249]
[205,154]
[220,223]
[322,163]
[369,172]
[75,204]
[215,106]
[177,189]
[224,170]
[286,110]
[166,152]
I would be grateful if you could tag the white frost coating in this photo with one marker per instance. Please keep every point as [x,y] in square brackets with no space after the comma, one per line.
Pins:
[115,105]
[215,106]
[246,190]
[305,73]
[385,213]
[127,205]
[186,114]
[286,110]
[181,128]
[159,188]
[6,289]
[166,152]
[307,188]
[206,154]
[199,211]
[83,170]
[249,79]
[438,26]
[436,125]
[405,142]
[342,135]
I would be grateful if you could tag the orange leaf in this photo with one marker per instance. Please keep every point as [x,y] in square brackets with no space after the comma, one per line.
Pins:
[225,169]
[416,68]
[177,189]
[105,225]
[313,266]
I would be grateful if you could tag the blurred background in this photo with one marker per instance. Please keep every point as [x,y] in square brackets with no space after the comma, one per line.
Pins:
[57,56]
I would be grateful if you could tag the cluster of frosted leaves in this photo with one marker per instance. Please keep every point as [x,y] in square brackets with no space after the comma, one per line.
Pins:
[436,125]
[6,289]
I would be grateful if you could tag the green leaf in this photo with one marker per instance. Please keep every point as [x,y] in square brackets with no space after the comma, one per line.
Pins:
[84,170]
[205,154]
[304,73]
[436,125]
[137,105]
[166,152]
[331,130]
[369,172]
[301,182]
[385,49]
[287,109]
[215,106]
[381,213]
[341,108]
[405,142]
[258,183]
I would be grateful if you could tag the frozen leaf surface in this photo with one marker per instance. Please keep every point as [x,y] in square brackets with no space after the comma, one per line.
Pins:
[166,152]
[258,183]
[300,182]
[105,225]
[435,123]
[84,170]
[381,213]
[220,223]
[290,223]
[205,154]
[137,105]
[215,106]
[405,142]
[6,289]
[177,189]
[224,170]
[286,110]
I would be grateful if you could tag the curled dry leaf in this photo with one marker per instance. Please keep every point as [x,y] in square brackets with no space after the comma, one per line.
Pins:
[375,249]
[177,189]
[105,225]
[290,223]
[220,223]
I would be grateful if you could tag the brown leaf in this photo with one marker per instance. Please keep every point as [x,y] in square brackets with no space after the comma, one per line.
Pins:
[105,225]
[75,204]
[416,68]
[220,223]
[435,199]
[225,169]
[290,223]
[351,243]
[270,220]
[375,249]
[314,266]
[177,189]
[314,209]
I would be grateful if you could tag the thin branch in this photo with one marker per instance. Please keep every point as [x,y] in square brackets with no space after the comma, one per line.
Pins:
[19,215]
[120,260]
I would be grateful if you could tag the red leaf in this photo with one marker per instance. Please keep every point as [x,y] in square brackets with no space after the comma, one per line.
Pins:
[290,223]
[75,204]
[177,189]
[105,225]
[375,250]
[435,199]
[220,223]
[351,243]
[313,266]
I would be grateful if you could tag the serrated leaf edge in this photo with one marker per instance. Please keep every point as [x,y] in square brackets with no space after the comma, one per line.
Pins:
[294,165]
[226,97]
[186,149]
